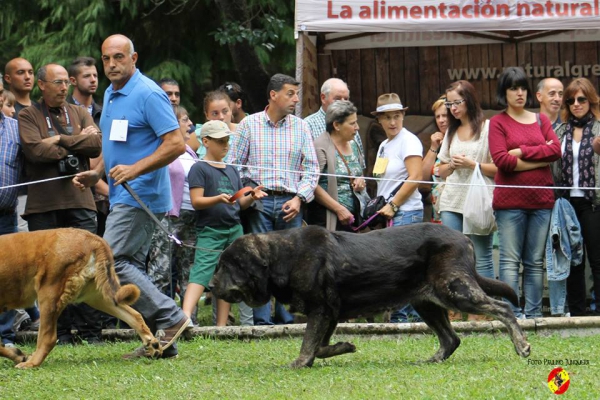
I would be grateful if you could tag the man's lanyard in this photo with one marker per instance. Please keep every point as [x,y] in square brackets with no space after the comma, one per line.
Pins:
[53,122]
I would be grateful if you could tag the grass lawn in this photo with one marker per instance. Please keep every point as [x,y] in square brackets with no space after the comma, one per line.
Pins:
[483,367]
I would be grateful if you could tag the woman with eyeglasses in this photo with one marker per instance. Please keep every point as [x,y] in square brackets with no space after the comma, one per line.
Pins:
[522,145]
[465,146]
[579,166]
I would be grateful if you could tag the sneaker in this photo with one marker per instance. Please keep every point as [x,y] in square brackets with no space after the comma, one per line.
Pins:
[9,345]
[22,321]
[30,326]
[140,352]
[170,335]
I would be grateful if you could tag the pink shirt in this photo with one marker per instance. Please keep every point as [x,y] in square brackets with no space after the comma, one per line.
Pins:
[507,134]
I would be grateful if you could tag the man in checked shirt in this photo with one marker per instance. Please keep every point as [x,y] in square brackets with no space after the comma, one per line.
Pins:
[277,140]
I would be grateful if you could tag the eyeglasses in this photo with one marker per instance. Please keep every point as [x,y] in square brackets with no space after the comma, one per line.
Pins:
[58,82]
[454,103]
[185,119]
[580,100]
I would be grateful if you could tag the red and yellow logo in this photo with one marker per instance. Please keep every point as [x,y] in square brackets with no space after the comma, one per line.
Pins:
[558,380]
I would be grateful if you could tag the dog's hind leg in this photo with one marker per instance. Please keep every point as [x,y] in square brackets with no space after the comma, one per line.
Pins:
[436,317]
[132,318]
[326,350]
[317,326]
[502,312]
[472,299]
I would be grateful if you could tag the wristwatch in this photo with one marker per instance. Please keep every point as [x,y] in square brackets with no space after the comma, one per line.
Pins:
[395,208]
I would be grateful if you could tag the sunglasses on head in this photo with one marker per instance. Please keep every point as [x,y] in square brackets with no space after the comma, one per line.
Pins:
[580,100]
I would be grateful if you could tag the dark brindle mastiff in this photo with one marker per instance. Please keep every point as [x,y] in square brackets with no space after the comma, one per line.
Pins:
[58,267]
[335,275]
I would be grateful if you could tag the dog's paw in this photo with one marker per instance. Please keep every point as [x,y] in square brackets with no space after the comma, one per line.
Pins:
[25,364]
[525,351]
[18,356]
[301,362]
[351,347]
[153,349]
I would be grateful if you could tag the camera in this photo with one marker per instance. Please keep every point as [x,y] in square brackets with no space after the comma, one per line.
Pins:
[69,165]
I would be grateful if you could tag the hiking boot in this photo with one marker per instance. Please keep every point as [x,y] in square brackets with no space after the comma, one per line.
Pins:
[140,352]
[170,335]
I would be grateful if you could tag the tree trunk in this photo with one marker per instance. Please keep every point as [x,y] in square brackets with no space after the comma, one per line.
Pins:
[253,77]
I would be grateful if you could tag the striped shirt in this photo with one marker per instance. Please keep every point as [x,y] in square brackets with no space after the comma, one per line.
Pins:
[316,124]
[11,159]
[282,145]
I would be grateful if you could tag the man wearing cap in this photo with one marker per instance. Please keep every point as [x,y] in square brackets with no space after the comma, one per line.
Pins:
[213,188]
[141,137]
[333,89]
[278,142]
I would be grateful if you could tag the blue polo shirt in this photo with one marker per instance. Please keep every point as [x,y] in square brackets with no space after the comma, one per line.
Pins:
[150,115]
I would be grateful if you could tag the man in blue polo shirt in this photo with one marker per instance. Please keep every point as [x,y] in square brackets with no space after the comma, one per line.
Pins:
[140,138]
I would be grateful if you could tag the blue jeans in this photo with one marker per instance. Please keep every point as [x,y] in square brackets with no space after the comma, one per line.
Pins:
[522,235]
[406,313]
[8,224]
[483,244]
[6,326]
[129,234]
[557,291]
[270,218]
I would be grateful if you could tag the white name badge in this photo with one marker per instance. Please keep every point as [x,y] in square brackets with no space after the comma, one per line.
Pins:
[118,130]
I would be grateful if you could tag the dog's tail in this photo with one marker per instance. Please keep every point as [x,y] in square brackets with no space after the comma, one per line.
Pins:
[494,287]
[107,281]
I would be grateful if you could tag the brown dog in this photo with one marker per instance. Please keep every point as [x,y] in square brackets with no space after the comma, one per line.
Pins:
[59,267]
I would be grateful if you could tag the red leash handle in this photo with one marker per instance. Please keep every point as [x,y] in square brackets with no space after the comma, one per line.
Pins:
[241,193]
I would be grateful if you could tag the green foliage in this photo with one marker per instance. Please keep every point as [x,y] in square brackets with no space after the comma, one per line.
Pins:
[172,37]
[232,31]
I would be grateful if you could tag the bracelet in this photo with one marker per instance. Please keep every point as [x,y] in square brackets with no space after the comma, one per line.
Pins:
[434,151]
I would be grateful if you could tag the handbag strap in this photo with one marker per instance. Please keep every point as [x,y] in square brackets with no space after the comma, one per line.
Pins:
[344,161]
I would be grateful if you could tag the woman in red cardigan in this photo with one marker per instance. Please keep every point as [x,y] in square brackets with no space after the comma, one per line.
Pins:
[522,145]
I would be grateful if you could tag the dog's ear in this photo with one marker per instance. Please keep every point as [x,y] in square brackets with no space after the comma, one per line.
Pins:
[279,263]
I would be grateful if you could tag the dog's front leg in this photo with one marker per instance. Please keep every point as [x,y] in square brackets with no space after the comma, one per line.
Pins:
[14,354]
[316,327]
[326,350]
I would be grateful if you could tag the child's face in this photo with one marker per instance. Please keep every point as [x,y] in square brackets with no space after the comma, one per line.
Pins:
[217,148]
[8,109]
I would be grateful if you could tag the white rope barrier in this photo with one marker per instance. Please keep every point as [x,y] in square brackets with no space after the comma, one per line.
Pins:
[368,178]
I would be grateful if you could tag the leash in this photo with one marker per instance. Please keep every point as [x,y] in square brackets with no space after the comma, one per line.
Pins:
[365,223]
[171,236]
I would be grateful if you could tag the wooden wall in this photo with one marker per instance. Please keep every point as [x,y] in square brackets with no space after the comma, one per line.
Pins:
[419,74]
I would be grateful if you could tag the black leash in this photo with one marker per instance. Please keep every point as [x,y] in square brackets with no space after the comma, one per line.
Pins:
[170,235]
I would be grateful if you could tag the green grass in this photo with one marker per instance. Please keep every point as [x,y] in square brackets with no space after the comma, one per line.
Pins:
[484,366]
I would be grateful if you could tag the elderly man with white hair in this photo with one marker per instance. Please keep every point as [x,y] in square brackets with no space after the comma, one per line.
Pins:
[333,89]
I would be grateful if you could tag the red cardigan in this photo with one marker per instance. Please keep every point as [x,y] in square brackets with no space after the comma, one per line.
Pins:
[507,134]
